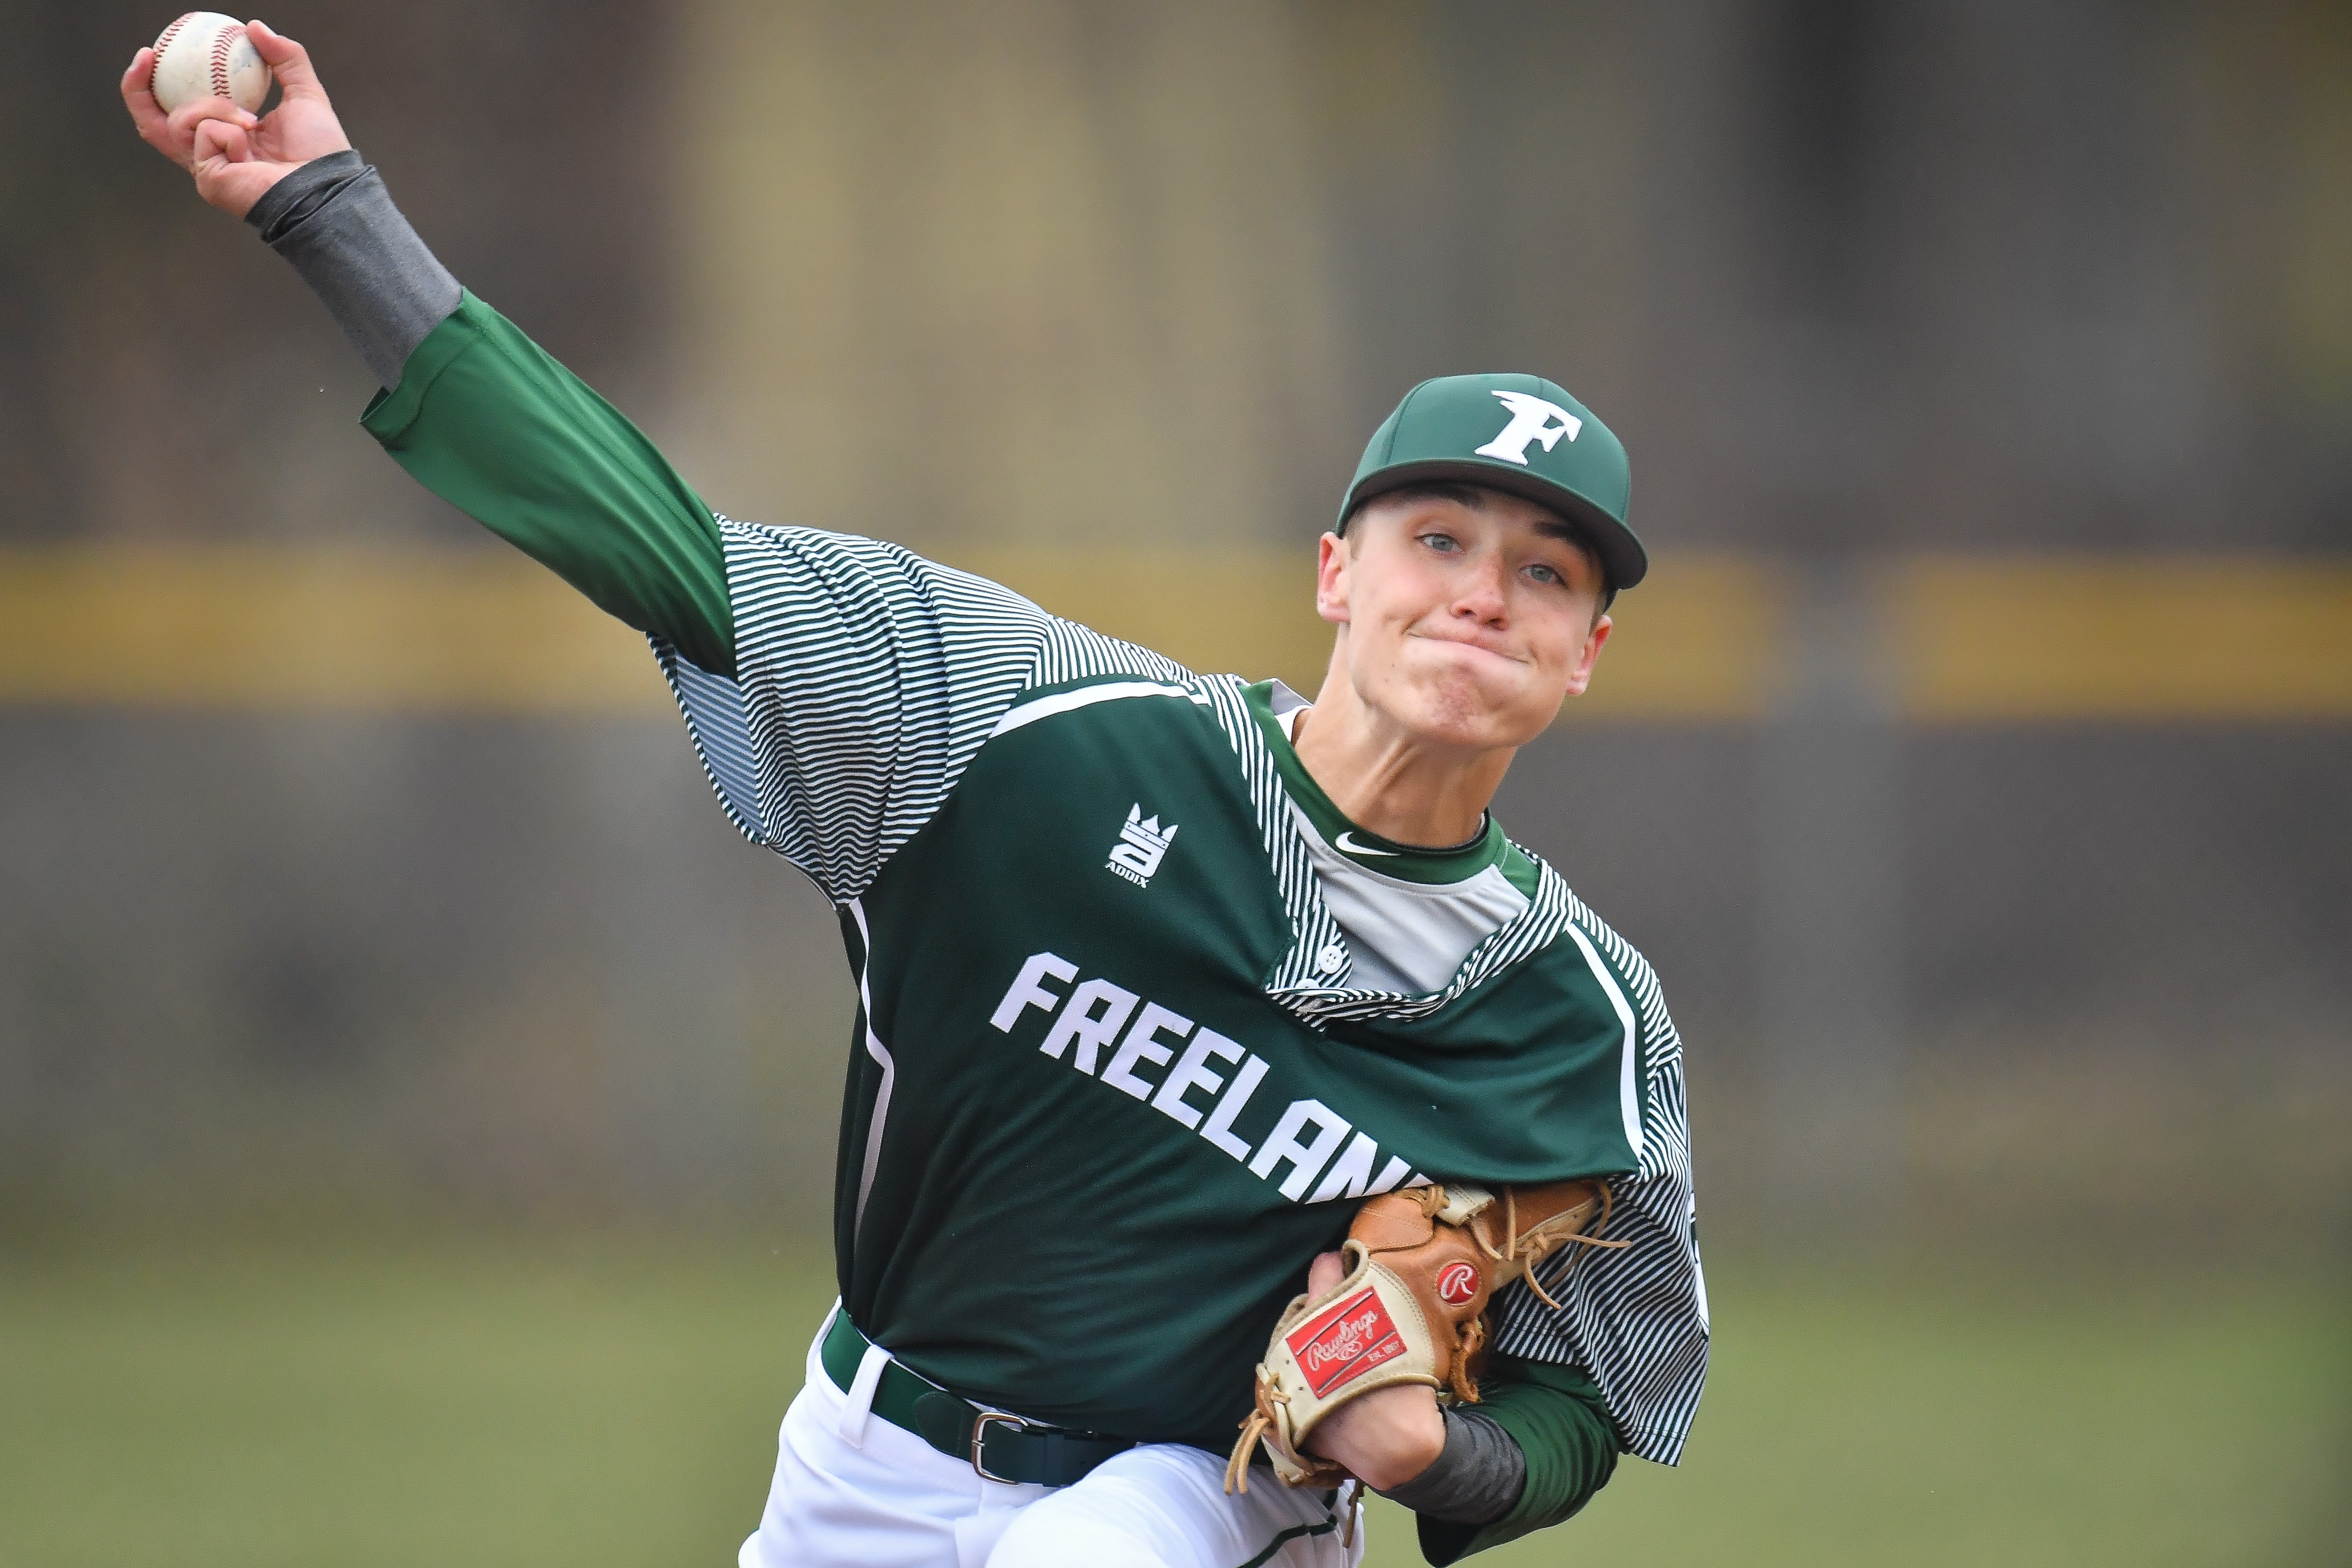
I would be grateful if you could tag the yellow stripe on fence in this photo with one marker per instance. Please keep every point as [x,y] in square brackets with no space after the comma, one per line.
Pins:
[1990,639]
[253,629]
[1971,639]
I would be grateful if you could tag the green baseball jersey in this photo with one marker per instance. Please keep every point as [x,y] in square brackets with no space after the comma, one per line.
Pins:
[1114,1083]
[1119,1067]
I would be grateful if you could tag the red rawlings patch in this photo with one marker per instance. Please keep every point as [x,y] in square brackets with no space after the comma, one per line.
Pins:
[1343,1342]
[1457,1284]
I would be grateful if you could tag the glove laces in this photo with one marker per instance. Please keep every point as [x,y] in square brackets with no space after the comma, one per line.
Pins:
[1522,1253]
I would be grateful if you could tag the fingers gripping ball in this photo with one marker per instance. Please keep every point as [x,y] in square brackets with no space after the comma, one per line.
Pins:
[1422,1265]
[207,54]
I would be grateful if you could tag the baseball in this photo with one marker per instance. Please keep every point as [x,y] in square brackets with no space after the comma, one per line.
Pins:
[207,54]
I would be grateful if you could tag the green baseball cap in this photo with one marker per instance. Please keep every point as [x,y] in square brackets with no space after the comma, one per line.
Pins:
[1521,434]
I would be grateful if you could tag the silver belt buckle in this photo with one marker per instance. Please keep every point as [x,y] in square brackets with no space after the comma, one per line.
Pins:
[980,1436]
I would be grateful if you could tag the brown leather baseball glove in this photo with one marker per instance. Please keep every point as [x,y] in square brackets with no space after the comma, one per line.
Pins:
[1422,1265]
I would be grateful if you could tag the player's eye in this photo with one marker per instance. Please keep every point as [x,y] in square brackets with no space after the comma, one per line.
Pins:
[1543,573]
[1442,543]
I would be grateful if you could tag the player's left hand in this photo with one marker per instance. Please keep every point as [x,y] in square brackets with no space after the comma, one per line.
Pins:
[1388,1436]
[236,156]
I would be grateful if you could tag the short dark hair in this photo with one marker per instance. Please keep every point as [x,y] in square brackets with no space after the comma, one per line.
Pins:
[1474,498]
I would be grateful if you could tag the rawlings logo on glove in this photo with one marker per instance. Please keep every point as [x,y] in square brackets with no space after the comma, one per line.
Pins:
[1458,1284]
[1350,1340]
[1422,1265]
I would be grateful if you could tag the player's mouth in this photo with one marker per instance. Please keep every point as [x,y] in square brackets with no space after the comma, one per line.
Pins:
[1474,646]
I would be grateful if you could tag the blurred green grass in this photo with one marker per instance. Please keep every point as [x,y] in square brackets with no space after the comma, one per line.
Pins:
[613,1400]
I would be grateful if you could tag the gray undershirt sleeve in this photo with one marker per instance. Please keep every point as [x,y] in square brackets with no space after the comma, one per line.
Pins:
[333,219]
[1475,1479]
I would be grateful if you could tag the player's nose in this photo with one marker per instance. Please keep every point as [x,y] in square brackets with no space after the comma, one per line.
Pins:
[1481,592]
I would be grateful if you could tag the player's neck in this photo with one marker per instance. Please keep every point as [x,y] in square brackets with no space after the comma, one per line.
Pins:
[1387,779]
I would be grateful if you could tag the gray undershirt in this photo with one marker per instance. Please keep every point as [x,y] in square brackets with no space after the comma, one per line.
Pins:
[1476,1478]
[335,222]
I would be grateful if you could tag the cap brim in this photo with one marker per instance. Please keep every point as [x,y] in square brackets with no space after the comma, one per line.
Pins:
[1621,555]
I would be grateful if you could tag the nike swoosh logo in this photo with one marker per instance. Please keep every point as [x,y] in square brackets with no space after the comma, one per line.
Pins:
[1345,842]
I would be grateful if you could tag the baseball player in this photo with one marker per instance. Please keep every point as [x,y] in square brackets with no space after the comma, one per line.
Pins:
[1163,979]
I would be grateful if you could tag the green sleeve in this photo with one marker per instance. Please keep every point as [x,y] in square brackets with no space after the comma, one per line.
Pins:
[488,420]
[1556,1416]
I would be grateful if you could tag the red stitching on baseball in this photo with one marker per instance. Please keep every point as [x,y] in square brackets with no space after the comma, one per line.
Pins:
[224,41]
[162,41]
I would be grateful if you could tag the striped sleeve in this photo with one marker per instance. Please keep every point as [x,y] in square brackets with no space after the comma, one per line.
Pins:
[1636,1318]
[866,679]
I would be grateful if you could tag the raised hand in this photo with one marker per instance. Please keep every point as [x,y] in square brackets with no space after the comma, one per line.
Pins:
[234,155]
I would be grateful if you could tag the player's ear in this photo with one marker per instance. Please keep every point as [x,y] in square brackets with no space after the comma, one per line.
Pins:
[1580,674]
[1333,557]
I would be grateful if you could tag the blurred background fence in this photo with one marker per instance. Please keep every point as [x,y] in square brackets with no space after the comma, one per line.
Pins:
[1974,766]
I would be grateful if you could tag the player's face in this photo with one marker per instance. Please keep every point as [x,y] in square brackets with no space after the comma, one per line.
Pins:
[1466,626]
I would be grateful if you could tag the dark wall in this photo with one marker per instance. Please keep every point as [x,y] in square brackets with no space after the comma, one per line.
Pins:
[1850,279]
[165,377]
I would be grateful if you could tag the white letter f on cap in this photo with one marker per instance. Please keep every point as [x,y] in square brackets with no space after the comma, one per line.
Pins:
[1531,420]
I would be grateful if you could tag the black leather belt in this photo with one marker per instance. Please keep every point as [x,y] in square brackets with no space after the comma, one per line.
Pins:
[1002,1448]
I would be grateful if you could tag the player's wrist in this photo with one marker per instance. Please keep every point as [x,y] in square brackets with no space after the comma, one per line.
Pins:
[301,190]
[235,188]
[1384,1440]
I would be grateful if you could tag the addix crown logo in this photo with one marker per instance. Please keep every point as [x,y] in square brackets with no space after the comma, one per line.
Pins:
[1142,844]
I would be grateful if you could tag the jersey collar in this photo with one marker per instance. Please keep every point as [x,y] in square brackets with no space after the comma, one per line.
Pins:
[1310,980]
[1273,705]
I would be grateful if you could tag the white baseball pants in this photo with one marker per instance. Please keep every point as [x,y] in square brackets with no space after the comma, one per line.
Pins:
[852,1489]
